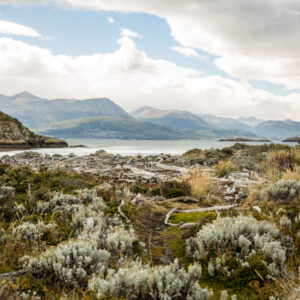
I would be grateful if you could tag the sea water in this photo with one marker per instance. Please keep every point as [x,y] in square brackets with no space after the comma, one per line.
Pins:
[133,147]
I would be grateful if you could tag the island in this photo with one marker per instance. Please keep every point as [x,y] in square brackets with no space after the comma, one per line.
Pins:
[242,139]
[294,139]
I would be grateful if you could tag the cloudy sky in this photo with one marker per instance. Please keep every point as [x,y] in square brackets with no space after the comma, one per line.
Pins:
[224,57]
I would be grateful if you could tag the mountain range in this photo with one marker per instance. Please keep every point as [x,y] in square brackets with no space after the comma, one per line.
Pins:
[102,118]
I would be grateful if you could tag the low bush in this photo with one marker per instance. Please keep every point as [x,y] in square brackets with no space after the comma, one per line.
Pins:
[284,191]
[237,239]
[145,282]
[71,262]
[172,189]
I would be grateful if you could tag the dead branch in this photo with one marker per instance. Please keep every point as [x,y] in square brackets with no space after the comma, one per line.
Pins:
[14,273]
[207,209]
[120,211]
[169,215]
[185,199]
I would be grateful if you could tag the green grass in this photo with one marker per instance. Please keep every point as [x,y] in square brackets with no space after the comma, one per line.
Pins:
[192,217]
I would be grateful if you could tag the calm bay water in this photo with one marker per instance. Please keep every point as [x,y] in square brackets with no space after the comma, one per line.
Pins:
[133,147]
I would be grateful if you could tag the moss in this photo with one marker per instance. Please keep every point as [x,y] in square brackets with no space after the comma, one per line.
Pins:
[191,217]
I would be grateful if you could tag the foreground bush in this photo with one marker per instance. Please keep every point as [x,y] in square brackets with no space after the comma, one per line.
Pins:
[145,282]
[233,242]
[284,190]
[72,262]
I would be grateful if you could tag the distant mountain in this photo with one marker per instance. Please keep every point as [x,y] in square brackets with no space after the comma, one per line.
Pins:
[113,127]
[225,123]
[251,121]
[102,118]
[126,128]
[174,118]
[278,129]
[14,135]
[32,110]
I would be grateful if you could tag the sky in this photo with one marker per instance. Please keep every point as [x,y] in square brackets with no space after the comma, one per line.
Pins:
[223,57]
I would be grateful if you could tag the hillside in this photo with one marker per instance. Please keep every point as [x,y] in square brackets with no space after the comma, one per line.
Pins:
[14,135]
[32,110]
[278,129]
[174,118]
[112,127]
[129,128]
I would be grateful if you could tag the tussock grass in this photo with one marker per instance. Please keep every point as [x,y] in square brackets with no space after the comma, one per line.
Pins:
[201,184]
[224,168]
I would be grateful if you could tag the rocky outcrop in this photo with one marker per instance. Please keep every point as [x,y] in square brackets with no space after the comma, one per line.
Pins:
[14,135]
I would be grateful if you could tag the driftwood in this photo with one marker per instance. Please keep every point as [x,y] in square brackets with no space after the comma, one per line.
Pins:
[207,209]
[14,273]
[186,199]
[168,217]
[120,211]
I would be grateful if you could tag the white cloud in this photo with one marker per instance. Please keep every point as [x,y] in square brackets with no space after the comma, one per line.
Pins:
[257,39]
[185,51]
[21,2]
[129,77]
[110,20]
[10,28]
[129,33]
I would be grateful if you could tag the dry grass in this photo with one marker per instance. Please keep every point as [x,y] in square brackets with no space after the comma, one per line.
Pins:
[201,184]
[283,159]
[290,285]
[224,168]
[290,174]
[194,153]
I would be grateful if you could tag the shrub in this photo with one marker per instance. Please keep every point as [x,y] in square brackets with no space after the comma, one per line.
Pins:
[72,262]
[145,282]
[120,242]
[284,190]
[239,238]
[60,202]
[171,189]
[30,231]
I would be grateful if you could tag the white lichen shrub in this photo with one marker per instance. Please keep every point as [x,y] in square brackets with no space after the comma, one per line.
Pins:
[30,231]
[6,191]
[283,190]
[285,222]
[120,242]
[91,197]
[72,262]
[145,282]
[60,202]
[240,236]
[224,295]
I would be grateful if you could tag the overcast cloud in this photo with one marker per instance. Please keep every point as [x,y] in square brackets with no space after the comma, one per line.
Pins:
[253,40]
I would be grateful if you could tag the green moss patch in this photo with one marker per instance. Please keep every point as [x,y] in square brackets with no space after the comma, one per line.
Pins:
[192,217]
